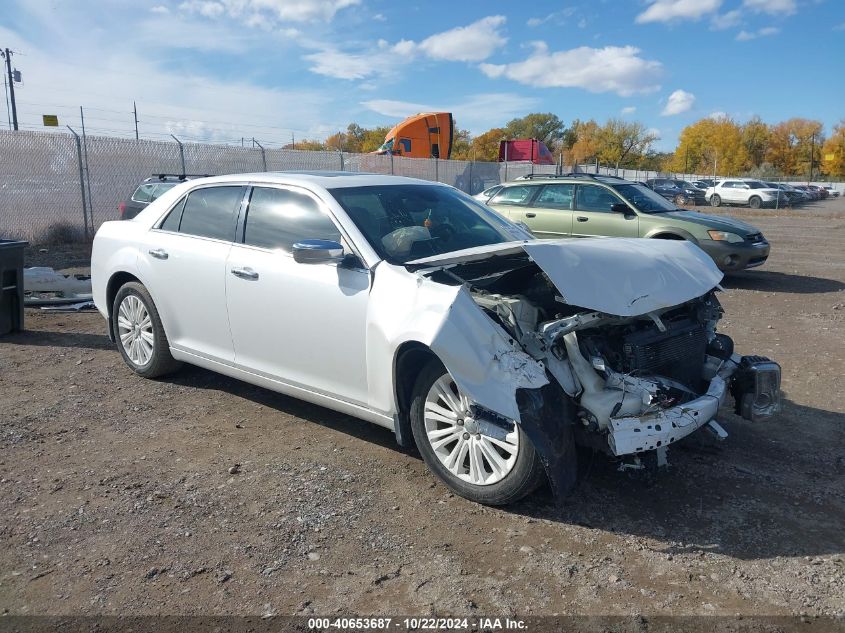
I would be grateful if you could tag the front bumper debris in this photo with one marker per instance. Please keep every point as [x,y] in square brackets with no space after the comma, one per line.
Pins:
[754,382]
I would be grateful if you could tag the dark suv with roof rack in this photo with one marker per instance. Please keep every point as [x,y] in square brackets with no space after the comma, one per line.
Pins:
[585,205]
[149,190]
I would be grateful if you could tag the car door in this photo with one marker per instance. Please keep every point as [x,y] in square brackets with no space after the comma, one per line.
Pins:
[183,263]
[550,214]
[593,216]
[730,192]
[512,201]
[303,324]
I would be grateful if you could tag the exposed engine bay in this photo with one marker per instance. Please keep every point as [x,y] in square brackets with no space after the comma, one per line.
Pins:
[638,382]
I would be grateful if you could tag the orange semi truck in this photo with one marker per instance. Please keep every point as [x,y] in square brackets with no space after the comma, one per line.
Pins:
[425,135]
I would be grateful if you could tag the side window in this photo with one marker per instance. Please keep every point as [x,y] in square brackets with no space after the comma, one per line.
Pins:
[556,196]
[210,212]
[144,193]
[278,218]
[492,191]
[513,195]
[171,222]
[405,144]
[595,198]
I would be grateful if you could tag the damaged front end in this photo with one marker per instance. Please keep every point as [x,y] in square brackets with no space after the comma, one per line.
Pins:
[641,369]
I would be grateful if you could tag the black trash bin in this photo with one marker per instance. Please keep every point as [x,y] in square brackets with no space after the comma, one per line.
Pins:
[11,285]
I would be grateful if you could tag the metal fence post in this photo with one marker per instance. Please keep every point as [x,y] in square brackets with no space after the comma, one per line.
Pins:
[436,169]
[469,188]
[181,154]
[391,163]
[263,155]
[340,151]
[81,179]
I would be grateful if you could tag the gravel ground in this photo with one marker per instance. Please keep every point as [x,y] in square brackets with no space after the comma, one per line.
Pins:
[203,495]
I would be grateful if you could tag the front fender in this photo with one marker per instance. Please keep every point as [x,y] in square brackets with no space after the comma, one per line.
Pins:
[671,230]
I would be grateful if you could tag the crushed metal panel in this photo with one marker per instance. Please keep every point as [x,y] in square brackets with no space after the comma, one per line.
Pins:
[486,363]
[625,277]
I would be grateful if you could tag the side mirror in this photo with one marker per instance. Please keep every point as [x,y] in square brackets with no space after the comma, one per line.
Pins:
[317,251]
[621,207]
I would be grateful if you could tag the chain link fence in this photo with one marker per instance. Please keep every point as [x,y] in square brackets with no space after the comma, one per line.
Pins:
[56,184]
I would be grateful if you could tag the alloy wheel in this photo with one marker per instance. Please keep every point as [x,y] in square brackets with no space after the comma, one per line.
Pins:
[455,437]
[135,330]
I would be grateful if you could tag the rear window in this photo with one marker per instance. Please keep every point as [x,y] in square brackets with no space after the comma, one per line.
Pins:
[144,193]
[513,195]
[210,212]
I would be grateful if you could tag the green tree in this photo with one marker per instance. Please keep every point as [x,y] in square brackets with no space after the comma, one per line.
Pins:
[486,146]
[544,126]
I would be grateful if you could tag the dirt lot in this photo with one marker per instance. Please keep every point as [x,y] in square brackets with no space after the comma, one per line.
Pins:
[116,494]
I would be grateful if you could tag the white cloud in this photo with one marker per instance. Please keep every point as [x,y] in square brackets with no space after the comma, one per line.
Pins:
[617,69]
[717,115]
[744,36]
[558,17]
[281,10]
[204,8]
[679,102]
[772,7]
[676,10]
[197,106]
[653,131]
[160,8]
[476,113]
[472,43]
[728,20]
[629,110]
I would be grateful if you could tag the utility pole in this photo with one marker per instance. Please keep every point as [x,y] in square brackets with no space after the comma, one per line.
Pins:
[292,141]
[812,155]
[135,111]
[8,56]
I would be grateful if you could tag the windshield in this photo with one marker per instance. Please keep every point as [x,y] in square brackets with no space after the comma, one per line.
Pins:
[756,184]
[683,184]
[406,222]
[644,199]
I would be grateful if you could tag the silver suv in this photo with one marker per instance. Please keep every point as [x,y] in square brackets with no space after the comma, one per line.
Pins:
[745,192]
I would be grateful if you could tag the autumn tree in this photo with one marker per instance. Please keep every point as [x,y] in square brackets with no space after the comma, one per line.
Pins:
[485,147]
[833,153]
[755,139]
[619,141]
[794,144]
[582,141]
[707,142]
[461,145]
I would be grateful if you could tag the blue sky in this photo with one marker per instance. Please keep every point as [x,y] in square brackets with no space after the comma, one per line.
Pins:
[226,69]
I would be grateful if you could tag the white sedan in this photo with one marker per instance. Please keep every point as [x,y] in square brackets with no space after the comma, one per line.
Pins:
[410,305]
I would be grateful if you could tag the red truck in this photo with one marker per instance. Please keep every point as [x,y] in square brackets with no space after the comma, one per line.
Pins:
[530,150]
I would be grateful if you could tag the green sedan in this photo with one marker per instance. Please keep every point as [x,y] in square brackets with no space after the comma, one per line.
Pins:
[583,205]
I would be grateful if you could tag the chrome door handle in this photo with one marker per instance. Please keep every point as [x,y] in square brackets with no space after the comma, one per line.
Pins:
[159,253]
[530,215]
[581,218]
[245,273]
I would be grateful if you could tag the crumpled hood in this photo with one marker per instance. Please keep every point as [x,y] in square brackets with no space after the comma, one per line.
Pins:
[619,276]
[716,222]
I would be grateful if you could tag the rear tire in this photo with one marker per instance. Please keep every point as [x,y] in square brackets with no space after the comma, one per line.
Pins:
[755,202]
[451,448]
[680,200]
[715,200]
[139,333]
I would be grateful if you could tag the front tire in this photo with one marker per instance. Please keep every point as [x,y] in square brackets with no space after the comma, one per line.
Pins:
[139,333]
[715,200]
[755,202]
[481,468]
[680,200]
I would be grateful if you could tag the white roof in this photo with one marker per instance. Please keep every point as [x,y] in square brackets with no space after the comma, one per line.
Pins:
[323,179]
